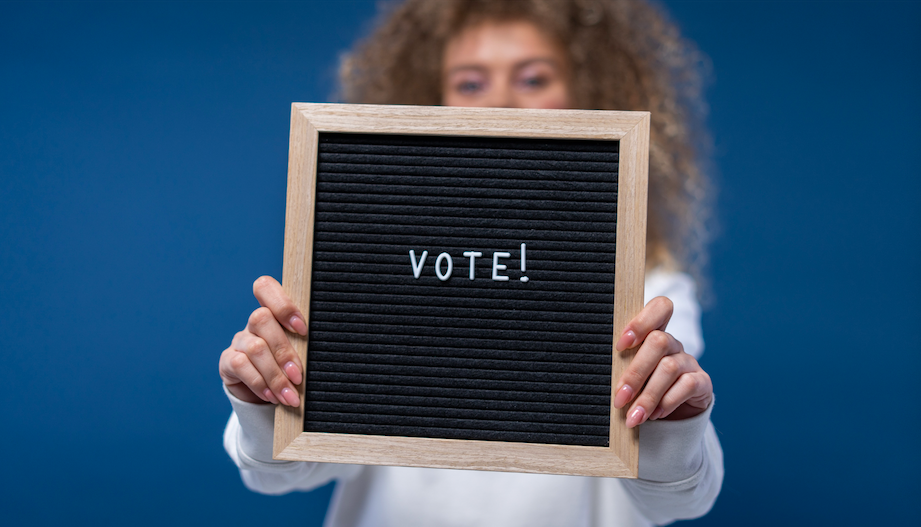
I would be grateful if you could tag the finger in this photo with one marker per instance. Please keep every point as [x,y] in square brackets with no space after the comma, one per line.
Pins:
[669,369]
[270,294]
[690,395]
[258,352]
[263,324]
[236,370]
[657,344]
[654,316]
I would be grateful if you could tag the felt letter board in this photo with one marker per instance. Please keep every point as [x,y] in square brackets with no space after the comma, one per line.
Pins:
[465,273]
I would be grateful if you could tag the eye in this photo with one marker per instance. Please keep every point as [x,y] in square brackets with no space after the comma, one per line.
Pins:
[469,87]
[533,82]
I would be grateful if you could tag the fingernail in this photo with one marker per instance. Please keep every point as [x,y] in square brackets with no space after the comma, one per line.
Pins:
[623,396]
[298,325]
[657,414]
[636,417]
[293,372]
[626,340]
[290,397]
[267,394]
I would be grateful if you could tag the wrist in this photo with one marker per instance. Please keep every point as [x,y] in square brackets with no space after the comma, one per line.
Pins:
[243,393]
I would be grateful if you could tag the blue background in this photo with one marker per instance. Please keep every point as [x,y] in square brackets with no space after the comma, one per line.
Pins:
[143,153]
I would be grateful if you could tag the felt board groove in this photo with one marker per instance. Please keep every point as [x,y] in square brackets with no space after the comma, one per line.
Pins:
[362,209]
[452,412]
[452,221]
[457,362]
[427,152]
[547,179]
[476,352]
[494,404]
[496,344]
[453,322]
[472,383]
[370,191]
[334,163]
[538,205]
[473,423]
[371,285]
[478,373]
[440,311]
[437,394]
[447,233]
[554,290]
[385,165]
[402,240]
[355,330]
[406,155]
[390,353]
[333,300]
[594,281]
[549,300]
[460,403]
[443,353]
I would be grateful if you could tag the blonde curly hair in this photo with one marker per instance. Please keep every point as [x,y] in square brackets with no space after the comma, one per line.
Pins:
[624,55]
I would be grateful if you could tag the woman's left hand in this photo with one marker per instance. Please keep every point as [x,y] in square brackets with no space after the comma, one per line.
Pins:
[662,380]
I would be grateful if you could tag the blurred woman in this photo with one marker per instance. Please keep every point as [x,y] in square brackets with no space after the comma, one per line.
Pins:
[591,54]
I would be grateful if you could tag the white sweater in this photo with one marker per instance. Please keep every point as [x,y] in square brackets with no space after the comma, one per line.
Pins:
[680,470]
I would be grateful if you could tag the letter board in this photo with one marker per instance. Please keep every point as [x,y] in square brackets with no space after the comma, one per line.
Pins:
[464,273]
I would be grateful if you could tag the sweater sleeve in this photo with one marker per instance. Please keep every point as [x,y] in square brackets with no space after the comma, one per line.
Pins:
[681,462]
[681,469]
[248,441]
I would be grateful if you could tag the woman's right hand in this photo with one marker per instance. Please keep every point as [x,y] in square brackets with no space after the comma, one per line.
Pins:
[261,365]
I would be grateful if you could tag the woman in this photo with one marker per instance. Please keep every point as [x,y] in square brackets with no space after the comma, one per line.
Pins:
[604,54]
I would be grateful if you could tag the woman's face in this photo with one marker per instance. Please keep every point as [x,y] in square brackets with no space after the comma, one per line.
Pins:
[506,65]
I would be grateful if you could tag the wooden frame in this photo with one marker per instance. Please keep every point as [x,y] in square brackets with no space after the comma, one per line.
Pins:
[620,458]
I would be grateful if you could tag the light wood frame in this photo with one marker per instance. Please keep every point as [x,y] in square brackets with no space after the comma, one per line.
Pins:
[620,458]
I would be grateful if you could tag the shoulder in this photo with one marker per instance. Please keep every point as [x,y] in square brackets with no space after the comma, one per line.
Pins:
[660,282]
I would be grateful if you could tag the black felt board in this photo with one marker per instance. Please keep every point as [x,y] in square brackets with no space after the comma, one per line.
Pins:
[523,361]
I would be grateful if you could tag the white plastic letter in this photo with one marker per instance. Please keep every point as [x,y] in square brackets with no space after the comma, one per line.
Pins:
[496,267]
[523,266]
[444,256]
[417,268]
[473,255]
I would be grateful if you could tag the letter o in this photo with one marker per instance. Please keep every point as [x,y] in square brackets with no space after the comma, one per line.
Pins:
[441,257]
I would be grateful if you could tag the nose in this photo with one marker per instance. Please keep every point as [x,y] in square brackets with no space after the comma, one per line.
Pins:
[500,95]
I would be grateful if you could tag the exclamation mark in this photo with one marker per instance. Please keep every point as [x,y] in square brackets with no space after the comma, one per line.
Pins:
[523,268]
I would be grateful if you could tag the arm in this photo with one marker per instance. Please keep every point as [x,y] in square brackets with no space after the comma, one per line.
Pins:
[248,441]
[681,462]
[681,469]
[260,370]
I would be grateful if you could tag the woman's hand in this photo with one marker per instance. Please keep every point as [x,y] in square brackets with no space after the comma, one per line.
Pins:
[662,380]
[261,365]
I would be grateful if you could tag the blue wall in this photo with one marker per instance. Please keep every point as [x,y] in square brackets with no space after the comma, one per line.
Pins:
[143,152]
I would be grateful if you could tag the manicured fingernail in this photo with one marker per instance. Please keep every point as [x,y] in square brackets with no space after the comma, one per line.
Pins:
[636,417]
[290,397]
[293,372]
[626,340]
[298,325]
[267,394]
[657,414]
[623,396]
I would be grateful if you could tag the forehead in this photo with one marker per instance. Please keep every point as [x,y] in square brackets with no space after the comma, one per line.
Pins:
[497,43]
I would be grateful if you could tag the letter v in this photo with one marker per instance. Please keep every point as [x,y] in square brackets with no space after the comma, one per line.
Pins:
[417,268]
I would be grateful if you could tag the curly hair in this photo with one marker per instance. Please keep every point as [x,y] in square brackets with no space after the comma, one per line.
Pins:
[624,55]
